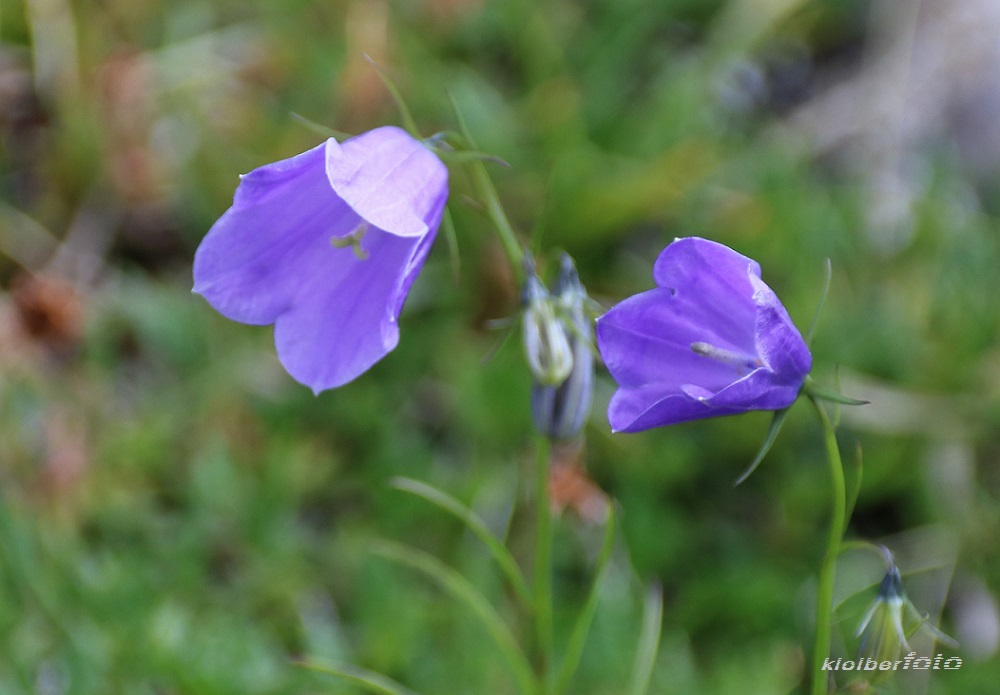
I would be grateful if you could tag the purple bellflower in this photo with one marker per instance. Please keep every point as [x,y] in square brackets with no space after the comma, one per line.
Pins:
[712,339]
[325,245]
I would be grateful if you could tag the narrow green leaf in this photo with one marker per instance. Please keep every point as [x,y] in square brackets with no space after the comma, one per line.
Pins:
[814,390]
[508,334]
[476,525]
[465,593]
[822,300]
[368,680]
[649,641]
[581,628]
[319,128]
[463,127]
[404,110]
[466,156]
[772,433]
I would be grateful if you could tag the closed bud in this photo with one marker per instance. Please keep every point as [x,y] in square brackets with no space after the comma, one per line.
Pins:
[560,406]
[892,619]
[546,344]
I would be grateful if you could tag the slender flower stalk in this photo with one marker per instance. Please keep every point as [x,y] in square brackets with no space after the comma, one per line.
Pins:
[543,564]
[491,201]
[824,591]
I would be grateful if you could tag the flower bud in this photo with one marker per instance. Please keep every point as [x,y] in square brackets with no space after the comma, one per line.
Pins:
[546,344]
[561,395]
[890,618]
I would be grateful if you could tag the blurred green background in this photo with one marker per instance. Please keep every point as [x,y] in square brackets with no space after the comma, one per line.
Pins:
[178,516]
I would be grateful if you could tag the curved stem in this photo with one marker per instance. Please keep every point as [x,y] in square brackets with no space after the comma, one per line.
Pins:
[543,563]
[495,211]
[824,591]
[488,196]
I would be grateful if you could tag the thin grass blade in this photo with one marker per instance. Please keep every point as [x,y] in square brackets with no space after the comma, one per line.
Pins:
[476,525]
[822,300]
[466,594]
[404,111]
[649,641]
[367,680]
[581,628]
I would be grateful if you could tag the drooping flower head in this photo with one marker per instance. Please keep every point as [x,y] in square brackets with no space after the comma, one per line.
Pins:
[711,339]
[325,245]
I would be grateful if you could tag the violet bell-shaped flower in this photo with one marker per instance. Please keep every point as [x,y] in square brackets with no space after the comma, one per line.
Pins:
[712,339]
[325,245]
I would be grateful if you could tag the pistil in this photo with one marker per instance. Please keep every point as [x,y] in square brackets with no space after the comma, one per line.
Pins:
[733,359]
[352,239]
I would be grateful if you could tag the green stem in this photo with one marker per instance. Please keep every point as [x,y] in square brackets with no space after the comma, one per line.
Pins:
[543,564]
[488,195]
[494,210]
[824,592]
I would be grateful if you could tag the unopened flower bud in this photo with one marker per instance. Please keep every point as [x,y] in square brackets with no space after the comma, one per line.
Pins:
[890,618]
[546,344]
[560,407]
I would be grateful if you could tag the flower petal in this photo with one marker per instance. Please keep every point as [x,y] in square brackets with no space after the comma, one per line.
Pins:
[637,409]
[389,178]
[269,259]
[247,265]
[646,339]
[344,319]
[712,340]
[711,287]
[779,343]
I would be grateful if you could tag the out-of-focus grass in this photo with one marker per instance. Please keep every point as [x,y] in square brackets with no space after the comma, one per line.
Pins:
[177,516]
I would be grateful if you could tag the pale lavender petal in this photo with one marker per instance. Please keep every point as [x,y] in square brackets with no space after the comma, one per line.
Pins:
[388,178]
[345,316]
